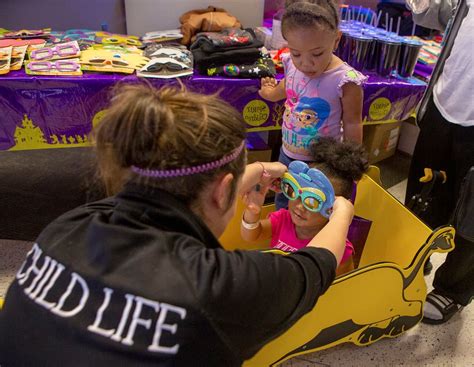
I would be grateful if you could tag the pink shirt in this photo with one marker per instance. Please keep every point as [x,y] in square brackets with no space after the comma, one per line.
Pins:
[313,106]
[284,235]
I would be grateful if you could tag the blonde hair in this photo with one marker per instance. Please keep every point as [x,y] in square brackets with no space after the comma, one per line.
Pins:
[163,129]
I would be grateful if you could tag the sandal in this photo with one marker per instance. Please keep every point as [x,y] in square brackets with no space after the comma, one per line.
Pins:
[439,309]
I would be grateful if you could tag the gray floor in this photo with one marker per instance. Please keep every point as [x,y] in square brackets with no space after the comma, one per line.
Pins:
[451,344]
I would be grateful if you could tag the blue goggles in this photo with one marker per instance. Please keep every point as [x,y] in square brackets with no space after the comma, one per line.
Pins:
[309,184]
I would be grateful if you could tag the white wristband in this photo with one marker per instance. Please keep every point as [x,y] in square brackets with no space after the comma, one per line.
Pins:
[250,226]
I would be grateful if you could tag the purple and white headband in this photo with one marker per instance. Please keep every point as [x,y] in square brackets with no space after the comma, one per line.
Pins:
[187,171]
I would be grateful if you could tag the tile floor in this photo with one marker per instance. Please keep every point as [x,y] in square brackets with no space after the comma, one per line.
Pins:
[451,344]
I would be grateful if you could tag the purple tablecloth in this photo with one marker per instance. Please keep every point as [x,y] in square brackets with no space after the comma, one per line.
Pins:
[41,112]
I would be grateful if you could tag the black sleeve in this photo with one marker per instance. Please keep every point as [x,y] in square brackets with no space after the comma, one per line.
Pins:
[251,297]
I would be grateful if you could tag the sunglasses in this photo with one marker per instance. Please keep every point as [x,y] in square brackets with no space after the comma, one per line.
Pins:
[62,50]
[25,33]
[157,67]
[311,198]
[120,40]
[105,62]
[60,65]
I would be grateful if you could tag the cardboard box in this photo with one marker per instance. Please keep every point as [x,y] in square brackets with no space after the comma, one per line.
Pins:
[381,140]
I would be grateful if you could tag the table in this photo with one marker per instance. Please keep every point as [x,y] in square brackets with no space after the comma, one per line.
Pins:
[45,112]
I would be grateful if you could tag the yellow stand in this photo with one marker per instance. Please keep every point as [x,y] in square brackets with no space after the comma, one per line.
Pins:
[382,298]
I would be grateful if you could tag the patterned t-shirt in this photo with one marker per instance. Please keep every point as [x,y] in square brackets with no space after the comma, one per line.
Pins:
[313,106]
[284,236]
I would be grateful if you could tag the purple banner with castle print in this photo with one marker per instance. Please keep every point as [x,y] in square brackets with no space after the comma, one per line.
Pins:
[42,112]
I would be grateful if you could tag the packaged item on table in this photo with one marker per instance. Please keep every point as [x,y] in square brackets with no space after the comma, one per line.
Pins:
[117,39]
[56,52]
[5,56]
[28,33]
[163,36]
[204,60]
[229,37]
[79,35]
[122,49]
[165,68]
[18,52]
[178,53]
[112,61]
[263,67]
[34,44]
[57,67]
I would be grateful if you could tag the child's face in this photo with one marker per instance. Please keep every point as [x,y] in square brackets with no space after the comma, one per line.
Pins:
[311,49]
[303,218]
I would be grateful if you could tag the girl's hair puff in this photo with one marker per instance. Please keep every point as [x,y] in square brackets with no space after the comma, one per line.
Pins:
[163,129]
[310,13]
[343,162]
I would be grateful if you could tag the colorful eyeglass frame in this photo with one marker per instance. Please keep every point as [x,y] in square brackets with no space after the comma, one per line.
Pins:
[61,50]
[309,184]
[28,33]
[70,67]
[108,61]
[117,39]
[59,65]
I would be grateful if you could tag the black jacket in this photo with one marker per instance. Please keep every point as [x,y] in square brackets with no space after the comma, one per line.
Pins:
[138,279]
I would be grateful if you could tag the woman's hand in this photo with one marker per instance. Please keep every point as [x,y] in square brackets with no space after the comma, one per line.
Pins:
[342,208]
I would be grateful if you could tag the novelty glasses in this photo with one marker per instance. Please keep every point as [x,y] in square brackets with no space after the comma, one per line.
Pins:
[62,50]
[169,66]
[309,184]
[60,65]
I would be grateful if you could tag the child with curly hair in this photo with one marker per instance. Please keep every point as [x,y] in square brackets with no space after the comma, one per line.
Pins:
[290,230]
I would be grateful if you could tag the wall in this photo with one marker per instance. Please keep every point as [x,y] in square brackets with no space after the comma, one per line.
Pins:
[63,14]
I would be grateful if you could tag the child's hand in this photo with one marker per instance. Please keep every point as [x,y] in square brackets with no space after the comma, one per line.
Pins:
[267,88]
[342,208]
[255,198]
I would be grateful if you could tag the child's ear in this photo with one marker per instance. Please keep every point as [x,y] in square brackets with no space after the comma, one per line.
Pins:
[338,39]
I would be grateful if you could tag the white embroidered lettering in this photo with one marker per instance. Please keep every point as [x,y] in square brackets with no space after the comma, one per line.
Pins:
[41,299]
[75,278]
[39,275]
[136,320]
[36,253]
[95,327]
[160,326]
[128,306]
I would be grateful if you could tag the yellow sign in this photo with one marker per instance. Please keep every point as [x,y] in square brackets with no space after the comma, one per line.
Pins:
[256,112]
[379,108]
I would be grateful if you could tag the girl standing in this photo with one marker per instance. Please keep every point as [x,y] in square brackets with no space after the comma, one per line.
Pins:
[323,94]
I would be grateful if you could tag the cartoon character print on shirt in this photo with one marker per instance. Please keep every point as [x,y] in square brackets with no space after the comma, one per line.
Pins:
[304,122]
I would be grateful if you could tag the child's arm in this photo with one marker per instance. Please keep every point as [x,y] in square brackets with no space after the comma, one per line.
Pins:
[352,100]
[271,90]
[333,235]
[260,231]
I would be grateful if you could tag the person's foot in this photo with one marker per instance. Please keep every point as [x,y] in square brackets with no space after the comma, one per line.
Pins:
[439,309]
